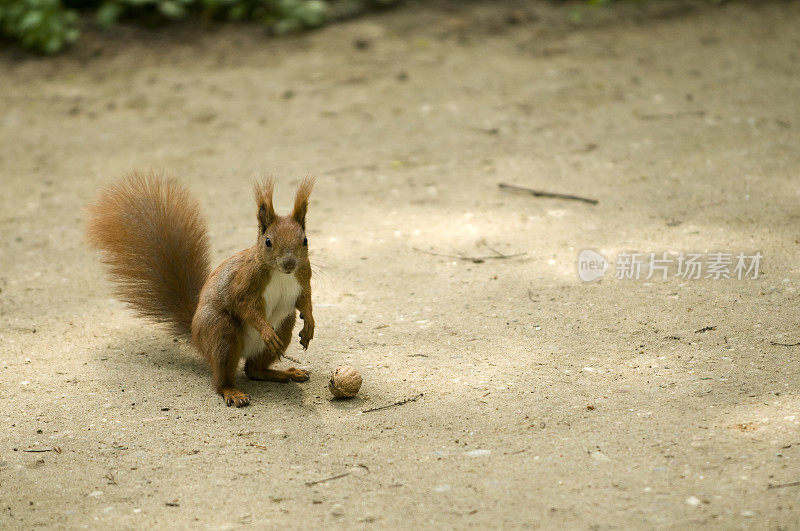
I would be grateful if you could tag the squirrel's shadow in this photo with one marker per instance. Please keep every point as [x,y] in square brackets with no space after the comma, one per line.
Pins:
[175,369]
[152,354]
[353,405]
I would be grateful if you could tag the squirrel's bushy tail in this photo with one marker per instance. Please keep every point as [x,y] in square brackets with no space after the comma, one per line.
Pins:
[154,240]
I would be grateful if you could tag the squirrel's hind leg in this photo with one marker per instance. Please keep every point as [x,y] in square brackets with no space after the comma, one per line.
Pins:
[258,368]
[292,374]
[218,338]
[224,361]
[224,377]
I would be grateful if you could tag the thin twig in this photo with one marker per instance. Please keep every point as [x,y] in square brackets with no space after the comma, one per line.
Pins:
[441,254]
[657,116]
[784,344]
[37,450]
[705,329]
[312,483]
[339,169]
[475,259]
[398,403]
[783,485]
[541,193]
[294,360]
[495,251]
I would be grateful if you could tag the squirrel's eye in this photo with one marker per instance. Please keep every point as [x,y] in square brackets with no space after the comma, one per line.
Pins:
[268,242]
[305,242]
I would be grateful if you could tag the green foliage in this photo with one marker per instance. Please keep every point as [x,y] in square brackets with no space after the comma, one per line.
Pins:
[49,25]
[41,25]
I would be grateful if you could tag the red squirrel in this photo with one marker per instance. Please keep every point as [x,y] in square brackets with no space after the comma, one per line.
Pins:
[154,241]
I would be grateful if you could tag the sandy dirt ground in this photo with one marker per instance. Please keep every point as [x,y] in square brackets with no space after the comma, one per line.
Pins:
[546,402]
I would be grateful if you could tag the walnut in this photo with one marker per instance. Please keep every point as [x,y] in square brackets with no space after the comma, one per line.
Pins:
[345,382]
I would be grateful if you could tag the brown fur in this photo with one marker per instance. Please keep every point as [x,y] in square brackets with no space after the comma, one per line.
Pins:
[154,242]
[230,298]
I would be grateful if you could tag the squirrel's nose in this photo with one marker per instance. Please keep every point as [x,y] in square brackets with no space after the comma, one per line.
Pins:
[288,264]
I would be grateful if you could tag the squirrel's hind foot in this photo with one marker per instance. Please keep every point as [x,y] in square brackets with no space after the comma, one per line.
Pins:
[234,397]
[272,375]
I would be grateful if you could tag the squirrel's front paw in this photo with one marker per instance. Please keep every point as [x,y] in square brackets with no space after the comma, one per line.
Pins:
[272,341]
[306,334]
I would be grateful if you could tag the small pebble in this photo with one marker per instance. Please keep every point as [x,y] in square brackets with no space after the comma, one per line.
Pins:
[478,453]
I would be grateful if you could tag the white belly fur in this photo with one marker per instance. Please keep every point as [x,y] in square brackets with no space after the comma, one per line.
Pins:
[280,296]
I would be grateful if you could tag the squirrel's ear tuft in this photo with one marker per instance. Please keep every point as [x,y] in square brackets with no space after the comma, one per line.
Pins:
[301,201]
[266,212]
